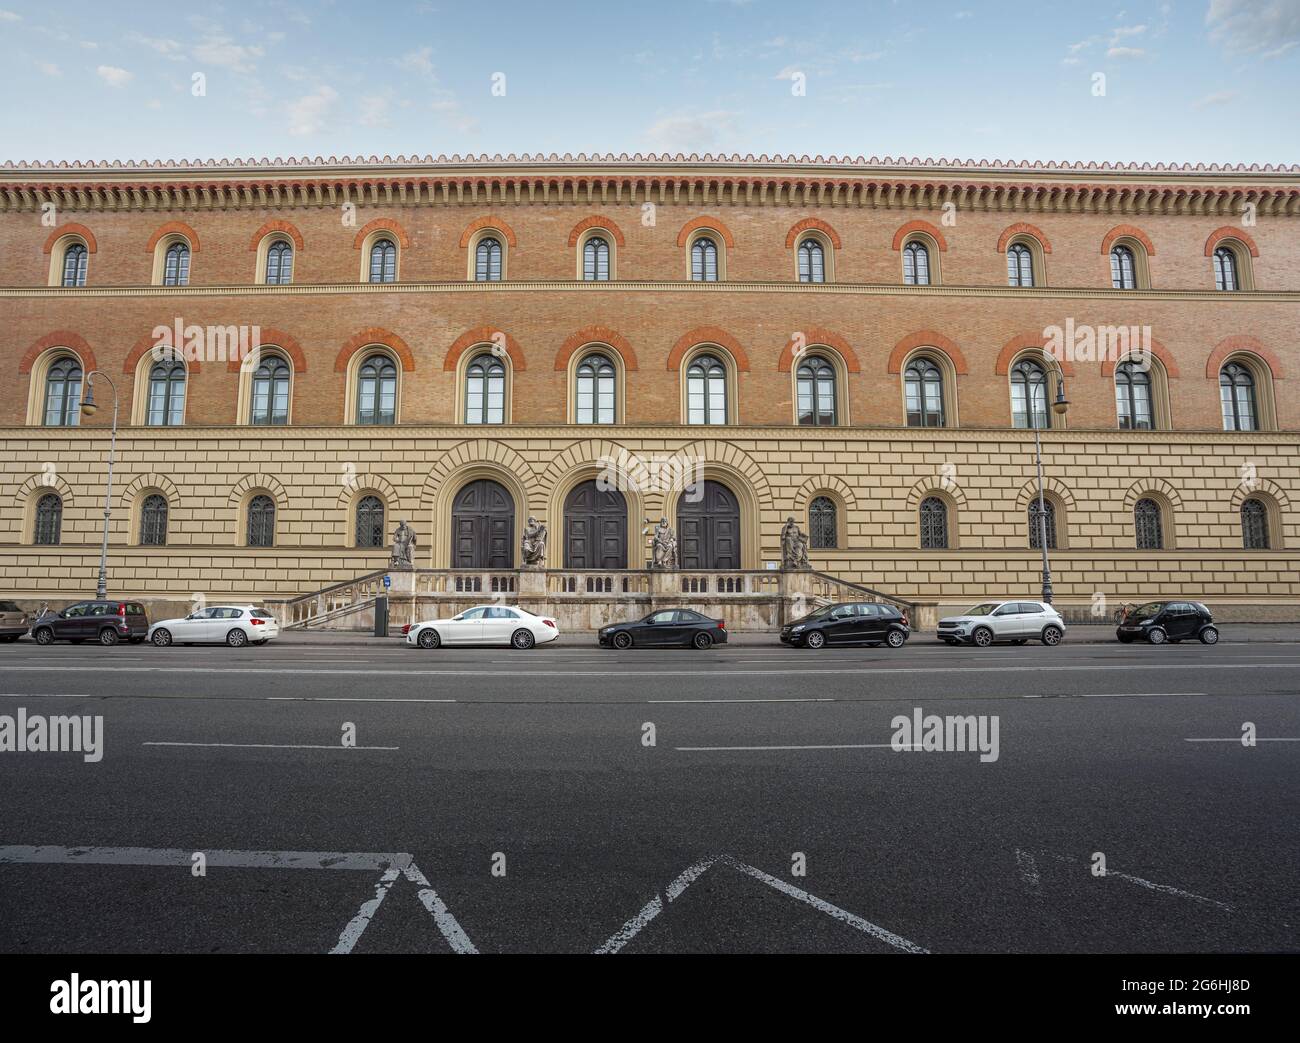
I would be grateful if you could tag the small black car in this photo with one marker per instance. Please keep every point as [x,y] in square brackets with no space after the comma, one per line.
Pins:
[107,622]
[666,626]
[1172,621]
[851,623]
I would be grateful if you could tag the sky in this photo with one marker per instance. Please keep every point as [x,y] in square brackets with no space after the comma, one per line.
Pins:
[1118,80]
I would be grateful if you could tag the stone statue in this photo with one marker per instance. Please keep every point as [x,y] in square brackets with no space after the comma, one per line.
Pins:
[664,554]
[403,554]
[534,544]
[794,546]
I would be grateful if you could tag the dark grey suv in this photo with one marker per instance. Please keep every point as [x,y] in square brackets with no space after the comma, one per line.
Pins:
[107,622]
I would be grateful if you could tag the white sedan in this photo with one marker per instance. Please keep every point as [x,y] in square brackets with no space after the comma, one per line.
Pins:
[484,625]
[234,625]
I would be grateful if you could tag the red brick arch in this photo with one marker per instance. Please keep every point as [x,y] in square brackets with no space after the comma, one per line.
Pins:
[814,335]
[1230,232]
[595,335]
[708,335]
[381,224]
[1019,343]
[147,343]
[276,226]
[487,222]
[273,338]
[810,224]
[1157,349]
[173,228]
[59,339]
[920,226]
[706,222]
[596,221]
[927,339]
[1129,232]
[370,336]
[1245,344]
[483,335]
[1021,228]
[72,228]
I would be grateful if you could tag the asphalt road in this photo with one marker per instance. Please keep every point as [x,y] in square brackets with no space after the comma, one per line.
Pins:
[509,801]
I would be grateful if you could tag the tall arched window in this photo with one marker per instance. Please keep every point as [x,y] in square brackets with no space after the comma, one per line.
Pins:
[377,391]
[1254,524]
[1020,265]
[815,392]
[370,522]
[595,391]
[270,403]
[812,261]
[1035,530]
[1133,396]
[1237,394]
[485,391]
[1123,272]
[383,260]
[63,393]
[916,264]
[487,260]
[261,521]
[934,524]
[923,394]
[75,259]
[153,521]
[49,520]
[822,534]
[279,263]
[706,391]
[166,394]
[176,265]
[1029,388]
[1148,525]
[1225,270]
[704,260]
[595,259]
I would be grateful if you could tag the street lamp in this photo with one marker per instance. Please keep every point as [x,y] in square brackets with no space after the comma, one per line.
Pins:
[89,409]
[1058,407]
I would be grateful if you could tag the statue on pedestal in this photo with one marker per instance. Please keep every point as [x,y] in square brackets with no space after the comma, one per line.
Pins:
[533,547]
[794,546]
[403,553]
[664,547]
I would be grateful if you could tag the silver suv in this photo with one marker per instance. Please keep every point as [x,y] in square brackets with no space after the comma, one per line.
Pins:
[1014,622]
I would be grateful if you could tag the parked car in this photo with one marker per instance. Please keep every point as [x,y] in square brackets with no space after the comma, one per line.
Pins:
[1172,621]
[107,622]
[850,623]
[664,627]
[484,625]
[234,625]
[1014,622]
[13,621]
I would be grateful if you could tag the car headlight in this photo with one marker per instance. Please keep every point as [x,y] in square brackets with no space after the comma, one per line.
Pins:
[795,630]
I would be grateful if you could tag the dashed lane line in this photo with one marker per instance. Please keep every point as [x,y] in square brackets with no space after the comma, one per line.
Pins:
[268,746]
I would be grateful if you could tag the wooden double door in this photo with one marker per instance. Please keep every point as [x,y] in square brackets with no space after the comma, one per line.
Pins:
[708,528]
[595,528]
[483,527]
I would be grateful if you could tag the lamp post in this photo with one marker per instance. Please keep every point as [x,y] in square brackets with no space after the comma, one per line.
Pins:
[1059,406]
[89,409]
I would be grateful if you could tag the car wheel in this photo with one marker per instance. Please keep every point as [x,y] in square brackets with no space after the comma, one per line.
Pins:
[982,636]
[1157,635]
[1210,636]
[702,640]
[896,639]
[236,638]
[522,639]
[162,637]
[108,636]
[428,638]
[1051,636]
[43,636]
[623,640]
[815,639]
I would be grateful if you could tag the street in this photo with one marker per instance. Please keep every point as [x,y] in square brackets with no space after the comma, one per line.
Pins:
[570,799]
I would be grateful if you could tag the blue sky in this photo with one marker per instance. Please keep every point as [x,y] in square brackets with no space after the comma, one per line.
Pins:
[1210,80]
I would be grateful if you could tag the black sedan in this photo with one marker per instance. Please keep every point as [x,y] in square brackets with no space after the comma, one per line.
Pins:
[666,626]
[1172,621]
[851,623]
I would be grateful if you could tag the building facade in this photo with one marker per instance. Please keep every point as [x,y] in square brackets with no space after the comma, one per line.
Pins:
[306,352]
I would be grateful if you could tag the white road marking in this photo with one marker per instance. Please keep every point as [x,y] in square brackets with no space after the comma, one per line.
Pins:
[269,746]
[842,746]
[1237,739]
[355,927]
[1028,869]
[1127,695]
[348,699]
[451,930]
[1150,885]
[653,908]
[819,699]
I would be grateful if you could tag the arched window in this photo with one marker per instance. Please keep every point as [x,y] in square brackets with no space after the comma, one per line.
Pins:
[383,260]
[261,521]
[822,533]
[49,520]
[485,391]
[166,394]
[595,260]
[595,390]
[916,264]
[812,261]
[1254,525]
[75,259]
[153,521]
[704,260]
[1133,396]
[1237,394]
[1029,387]
[1020,265]
[1148,525]
[1225,269]
[487,260]
[923,394]
[279,263]
[706,391]
[176,265]
[63,393]
[1035,530]
[377,391]
[370,522]
[934,524]
[815,392]
[1123,272]
[270,403]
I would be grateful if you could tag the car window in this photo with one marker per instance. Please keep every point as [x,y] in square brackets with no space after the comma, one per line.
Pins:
[261,613]
[229,613]
[984,609]
[474,613]
[1012,608]
[687,616]
[867,610]
[103,608]
[74,611]
[501,613]
[842,612]
[1031,608]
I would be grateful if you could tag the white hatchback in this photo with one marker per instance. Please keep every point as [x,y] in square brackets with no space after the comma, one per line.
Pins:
[234,625]
[1013,621]
[484,625]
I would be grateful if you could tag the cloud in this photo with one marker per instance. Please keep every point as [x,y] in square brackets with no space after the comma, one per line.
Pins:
[1122,31]
[1126,52]
[1217,98]
[9,16]
[49,68]
[309,113]
[420,61]
[224,53]
[699,132]
[1251,26]
[159,44]
[114,76]
[372,110]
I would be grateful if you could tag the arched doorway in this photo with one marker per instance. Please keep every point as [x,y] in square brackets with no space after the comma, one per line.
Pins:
[483,527]
[595,528]
[708,528]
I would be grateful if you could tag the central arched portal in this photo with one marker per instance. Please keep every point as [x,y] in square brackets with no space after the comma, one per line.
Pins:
[595,528]
[482,527]
[708,527]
